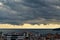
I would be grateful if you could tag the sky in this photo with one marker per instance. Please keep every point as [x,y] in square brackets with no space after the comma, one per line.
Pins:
[29,11]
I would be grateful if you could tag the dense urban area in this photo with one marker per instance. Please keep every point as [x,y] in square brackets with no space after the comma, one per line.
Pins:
[29,36]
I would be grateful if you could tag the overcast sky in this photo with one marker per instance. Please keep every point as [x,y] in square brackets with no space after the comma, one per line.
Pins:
[29,11]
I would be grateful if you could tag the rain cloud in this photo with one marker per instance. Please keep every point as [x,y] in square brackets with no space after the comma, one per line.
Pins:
[29,11]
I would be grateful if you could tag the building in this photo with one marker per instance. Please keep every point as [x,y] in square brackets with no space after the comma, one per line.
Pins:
[57,36]
[50,36]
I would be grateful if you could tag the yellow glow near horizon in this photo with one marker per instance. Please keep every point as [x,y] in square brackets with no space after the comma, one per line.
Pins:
[28,26]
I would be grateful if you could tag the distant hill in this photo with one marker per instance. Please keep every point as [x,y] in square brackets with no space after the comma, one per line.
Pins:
[57,29]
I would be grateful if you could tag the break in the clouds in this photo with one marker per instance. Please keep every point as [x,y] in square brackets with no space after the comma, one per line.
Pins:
[29,11]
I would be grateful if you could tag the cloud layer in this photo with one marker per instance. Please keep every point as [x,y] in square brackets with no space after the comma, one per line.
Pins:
[29,26]
[29,11]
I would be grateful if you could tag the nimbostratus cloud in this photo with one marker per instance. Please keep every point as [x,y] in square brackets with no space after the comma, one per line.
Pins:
[29,11]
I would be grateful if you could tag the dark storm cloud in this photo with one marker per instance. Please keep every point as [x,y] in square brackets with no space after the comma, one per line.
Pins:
[24,11]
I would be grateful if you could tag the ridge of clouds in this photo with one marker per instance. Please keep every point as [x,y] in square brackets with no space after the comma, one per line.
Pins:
[30,26]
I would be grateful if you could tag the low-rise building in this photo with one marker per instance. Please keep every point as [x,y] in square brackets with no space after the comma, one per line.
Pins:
[57,36]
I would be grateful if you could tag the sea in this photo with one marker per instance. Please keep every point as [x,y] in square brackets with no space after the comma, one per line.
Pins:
[41,31]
